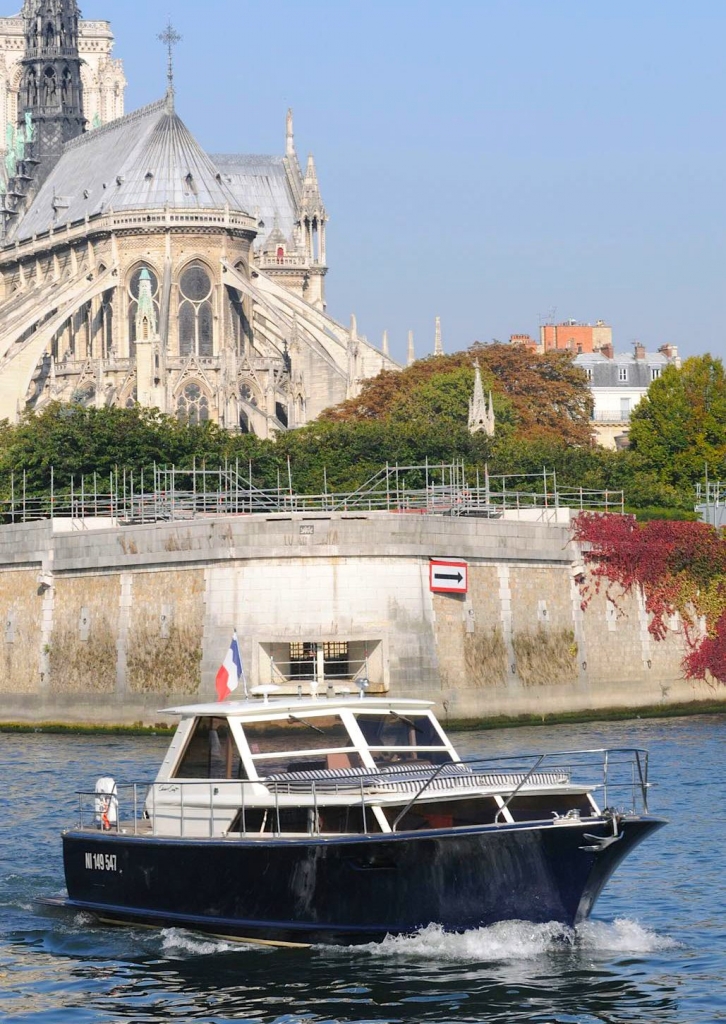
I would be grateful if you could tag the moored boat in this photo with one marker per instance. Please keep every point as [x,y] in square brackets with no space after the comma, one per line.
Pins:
[339,819]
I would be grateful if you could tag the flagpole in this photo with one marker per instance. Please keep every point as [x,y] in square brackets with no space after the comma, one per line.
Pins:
[242,666]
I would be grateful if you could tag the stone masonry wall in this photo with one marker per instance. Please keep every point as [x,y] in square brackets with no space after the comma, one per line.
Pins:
[112,624]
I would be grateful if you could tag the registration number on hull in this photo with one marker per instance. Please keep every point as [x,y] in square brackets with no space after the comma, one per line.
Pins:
[101,862]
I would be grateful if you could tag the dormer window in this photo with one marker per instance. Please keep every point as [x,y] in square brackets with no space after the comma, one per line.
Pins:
[622,374]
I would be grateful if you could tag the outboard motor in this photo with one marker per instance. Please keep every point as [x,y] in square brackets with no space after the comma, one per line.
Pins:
[106,803]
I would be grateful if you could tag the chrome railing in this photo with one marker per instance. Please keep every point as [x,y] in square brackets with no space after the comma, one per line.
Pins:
[617,777]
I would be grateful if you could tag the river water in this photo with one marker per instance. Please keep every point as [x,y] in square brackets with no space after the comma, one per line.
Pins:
[654,950]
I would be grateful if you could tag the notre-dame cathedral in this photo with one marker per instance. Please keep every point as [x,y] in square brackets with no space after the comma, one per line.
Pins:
[135,267]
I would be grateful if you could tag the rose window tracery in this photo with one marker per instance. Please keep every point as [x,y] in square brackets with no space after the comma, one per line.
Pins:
[247,394]
[192,405]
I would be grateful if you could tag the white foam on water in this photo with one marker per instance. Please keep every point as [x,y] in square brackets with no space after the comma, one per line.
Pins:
[177,942]
[521,940]
[623,936]
[507,940]
[83,919]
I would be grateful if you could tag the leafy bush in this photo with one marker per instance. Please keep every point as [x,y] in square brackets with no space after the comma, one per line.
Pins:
[680,567]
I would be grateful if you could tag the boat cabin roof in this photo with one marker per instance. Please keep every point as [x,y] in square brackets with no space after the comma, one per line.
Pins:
[255,706]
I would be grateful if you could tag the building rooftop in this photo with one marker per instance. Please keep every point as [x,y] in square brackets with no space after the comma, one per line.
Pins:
[146,160]
[261,184]
[622,359]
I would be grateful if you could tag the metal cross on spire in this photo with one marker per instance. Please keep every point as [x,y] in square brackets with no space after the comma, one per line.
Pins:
[170,37]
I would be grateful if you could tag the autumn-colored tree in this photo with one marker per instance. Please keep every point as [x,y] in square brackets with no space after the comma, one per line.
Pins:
[539,396]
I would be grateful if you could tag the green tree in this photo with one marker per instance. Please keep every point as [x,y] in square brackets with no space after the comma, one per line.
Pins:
[76,441]
[681,424]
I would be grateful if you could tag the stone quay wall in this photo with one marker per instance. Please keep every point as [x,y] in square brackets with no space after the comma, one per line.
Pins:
[107,624]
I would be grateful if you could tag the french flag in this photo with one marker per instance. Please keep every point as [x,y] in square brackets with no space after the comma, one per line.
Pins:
[230,671]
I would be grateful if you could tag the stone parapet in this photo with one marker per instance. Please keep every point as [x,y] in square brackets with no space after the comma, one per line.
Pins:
[110,623]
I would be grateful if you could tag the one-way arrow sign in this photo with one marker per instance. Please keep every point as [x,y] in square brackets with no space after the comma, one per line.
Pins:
[448,577]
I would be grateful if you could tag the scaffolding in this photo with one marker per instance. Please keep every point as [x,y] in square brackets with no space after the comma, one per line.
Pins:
[711,502]
[171,494]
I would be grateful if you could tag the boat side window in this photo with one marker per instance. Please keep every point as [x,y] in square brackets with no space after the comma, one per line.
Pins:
[396,732]
[210,753]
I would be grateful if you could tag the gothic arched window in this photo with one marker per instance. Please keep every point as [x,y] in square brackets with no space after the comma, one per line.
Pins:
[66,85]
[247,394]
[249,397]
[50,89]
[133,291]
[192,405]
[31,95]
[107,325]
[196,320]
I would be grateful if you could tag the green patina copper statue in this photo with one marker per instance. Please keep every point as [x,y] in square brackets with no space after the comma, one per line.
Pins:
[11,165]
[29,129]
[20,145]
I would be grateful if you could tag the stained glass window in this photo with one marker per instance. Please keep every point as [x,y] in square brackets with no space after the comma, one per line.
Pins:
[196,317]
[195,283]
[192,405]
[187,328]
[247,394]
[206,329]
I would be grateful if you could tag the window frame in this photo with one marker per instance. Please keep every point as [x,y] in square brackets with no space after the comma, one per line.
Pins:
[197,306]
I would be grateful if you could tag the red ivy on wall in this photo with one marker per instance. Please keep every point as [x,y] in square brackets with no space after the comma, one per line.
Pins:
[679,567]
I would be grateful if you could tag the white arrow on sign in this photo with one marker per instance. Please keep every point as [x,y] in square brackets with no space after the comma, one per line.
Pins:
[448,577]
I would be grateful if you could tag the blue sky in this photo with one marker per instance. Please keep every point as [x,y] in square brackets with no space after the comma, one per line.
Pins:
[488,162]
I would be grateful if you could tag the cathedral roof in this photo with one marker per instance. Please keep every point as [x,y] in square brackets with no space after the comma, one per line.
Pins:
[262,185]
[146,160]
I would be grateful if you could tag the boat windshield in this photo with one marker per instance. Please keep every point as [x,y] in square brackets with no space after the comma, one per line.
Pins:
[394,737]
[300,743]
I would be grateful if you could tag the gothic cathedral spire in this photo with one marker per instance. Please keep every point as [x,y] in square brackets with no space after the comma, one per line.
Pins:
[50,89]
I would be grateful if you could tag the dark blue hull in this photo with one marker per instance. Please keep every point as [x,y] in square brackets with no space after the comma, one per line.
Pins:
[348,889]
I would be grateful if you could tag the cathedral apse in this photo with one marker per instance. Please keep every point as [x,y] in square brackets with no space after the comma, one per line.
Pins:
[137,268]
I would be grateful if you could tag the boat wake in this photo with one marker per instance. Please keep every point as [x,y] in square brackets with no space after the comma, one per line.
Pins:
[624,936]
[520,940]
[507,940]
[178,943]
